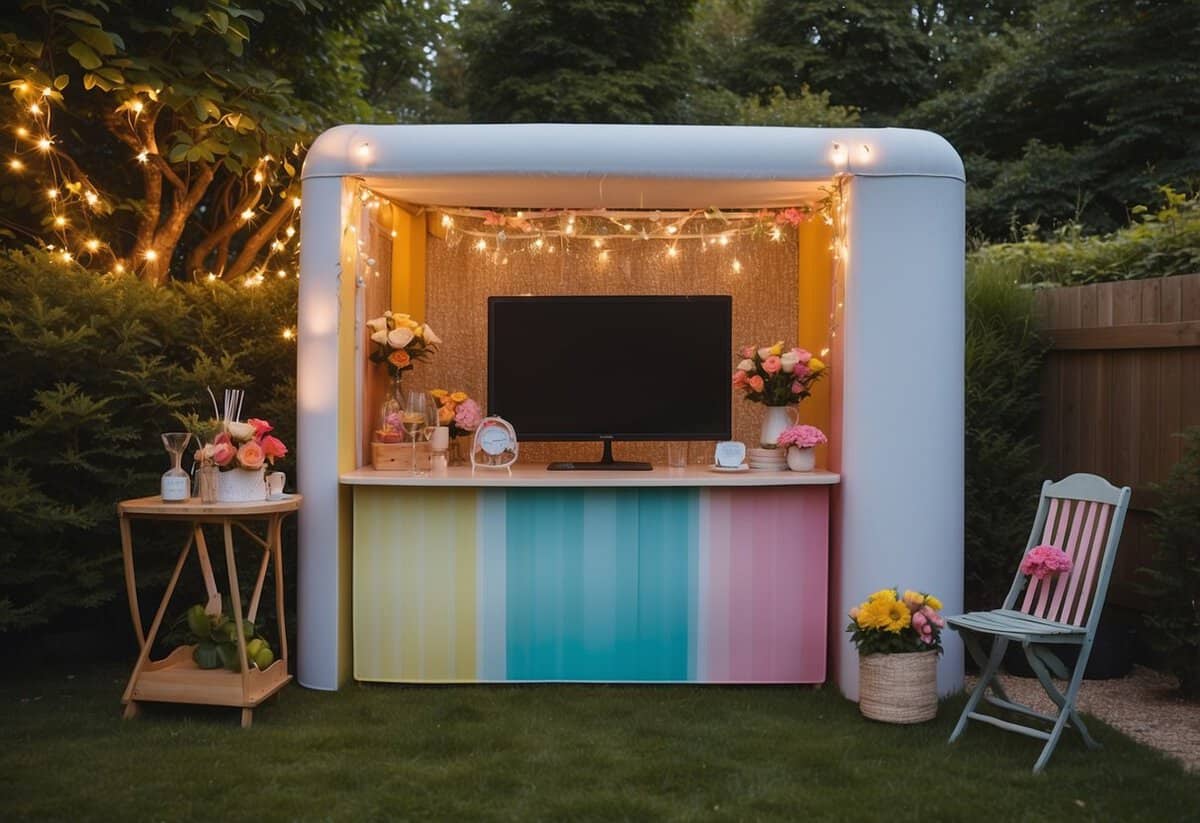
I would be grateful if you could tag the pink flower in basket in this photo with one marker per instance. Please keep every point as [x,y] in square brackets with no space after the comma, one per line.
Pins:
[802,436]
[1045,561]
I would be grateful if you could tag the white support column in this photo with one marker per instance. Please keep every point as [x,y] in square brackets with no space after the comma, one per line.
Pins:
[318,609]
[900,510]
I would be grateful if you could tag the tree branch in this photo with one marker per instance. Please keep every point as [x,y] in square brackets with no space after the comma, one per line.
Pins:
[223,233]
[241,264]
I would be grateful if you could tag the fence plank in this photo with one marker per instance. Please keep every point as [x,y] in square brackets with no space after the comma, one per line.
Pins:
[1121,379]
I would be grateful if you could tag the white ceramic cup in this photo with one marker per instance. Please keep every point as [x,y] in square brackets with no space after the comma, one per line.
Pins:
[275,482]
[440,441]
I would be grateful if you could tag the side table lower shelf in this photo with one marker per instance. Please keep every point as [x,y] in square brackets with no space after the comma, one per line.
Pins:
[177,679]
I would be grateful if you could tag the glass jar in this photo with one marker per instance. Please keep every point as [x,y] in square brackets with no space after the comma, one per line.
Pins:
[389,426]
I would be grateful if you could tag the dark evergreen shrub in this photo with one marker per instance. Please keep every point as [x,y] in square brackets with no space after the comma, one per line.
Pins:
[92,370]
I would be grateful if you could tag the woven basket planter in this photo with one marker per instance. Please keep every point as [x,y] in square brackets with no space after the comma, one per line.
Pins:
[898,688]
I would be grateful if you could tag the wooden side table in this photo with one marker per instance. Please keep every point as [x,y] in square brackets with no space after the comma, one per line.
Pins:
[176,678]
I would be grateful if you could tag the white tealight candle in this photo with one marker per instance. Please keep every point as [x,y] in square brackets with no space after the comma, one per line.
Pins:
[440,441]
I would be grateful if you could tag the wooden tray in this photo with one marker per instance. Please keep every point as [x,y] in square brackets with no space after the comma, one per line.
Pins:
[177,679]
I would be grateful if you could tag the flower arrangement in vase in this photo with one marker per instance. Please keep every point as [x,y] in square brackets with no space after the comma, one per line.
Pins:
[898,641]
[800,440]
[778,379]
[457,411]
[236,460]
[400,342]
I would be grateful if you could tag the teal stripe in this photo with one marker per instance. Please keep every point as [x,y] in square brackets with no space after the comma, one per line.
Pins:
[601,584]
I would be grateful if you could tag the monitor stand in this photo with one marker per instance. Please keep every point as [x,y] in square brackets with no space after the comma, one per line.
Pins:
[606,463]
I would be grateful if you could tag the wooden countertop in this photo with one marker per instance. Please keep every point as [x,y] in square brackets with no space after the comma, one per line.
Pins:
[536,476]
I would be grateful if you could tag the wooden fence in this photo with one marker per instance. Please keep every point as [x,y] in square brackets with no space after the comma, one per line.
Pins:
[1121,379]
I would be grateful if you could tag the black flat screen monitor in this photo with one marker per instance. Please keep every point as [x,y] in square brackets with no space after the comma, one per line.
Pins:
[611,368]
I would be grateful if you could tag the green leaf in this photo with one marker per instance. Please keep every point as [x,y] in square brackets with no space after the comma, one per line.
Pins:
[187,16]
[206,108]
[76,14]
[229,656]
[178,152]
[100,40]
[87,58]
[61,82]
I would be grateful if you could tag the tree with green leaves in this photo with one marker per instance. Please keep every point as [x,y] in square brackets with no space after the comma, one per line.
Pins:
[868,55]
[578,61]
[1093,106]
[148,135]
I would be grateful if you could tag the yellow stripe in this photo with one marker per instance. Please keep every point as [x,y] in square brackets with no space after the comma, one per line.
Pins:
[414,567]
[815,292]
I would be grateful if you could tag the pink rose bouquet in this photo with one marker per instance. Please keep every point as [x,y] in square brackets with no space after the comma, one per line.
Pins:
[775,376]
[240,445]
[1045,561]
[802,437]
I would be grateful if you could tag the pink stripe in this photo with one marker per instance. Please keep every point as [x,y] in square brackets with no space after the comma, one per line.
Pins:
[1059,584]
[1078,554]
[777,594]
[1031,586]
[716,609]
[1071,512]
[1088,581]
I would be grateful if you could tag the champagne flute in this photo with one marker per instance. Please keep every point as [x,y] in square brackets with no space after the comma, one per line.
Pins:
[414,418]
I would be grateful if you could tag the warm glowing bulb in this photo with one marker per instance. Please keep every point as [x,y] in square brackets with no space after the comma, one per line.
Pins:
[143,156]
[604,256]
[258,177]
[248,214]
[570,229]
[15,164]
[151,255]
[627,227]
[447,221]
[480,245]
[137,106]
[537,244]
[22,87]
[60,221]
[281,273]
[776,234]
[737,266]
[672,229]
[723,240]
[295,202]
[52,194]
[672,251]
[838,154]
[92,245]
[66,257]
[119,268]
[292,231]
[44,144]
[211,277]
[363,151]
[276,246]
[35,109]
[46,92]
[22,131]
[597,243]
[91,197]
[288,334]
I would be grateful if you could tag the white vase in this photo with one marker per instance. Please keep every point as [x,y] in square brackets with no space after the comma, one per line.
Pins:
[241,486]
[801,460]
[776,420]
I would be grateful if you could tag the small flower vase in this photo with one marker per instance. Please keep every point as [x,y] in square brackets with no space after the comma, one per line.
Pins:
[389,428]
[898,688]
[209,481]
[801,459]
[776,420]
[457,458]
[242,486]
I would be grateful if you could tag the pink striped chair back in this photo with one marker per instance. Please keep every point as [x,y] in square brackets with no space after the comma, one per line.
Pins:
[1082,515]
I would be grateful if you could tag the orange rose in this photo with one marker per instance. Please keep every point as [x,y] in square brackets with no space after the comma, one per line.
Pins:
[446,414]
[250,455]
[399,358]
[458,396]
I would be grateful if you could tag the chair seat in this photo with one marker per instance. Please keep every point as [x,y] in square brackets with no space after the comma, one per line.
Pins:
[1018,626]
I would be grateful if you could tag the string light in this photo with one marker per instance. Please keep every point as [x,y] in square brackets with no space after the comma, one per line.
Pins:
[60,221]
[44,144]
[291,232]
[16,165]
[143,156]
[295,202]
[91,197]
[736,265]
[52,194]
[119,267]
[281,274]
[151,255]
[288,334]
[258,177]
[34,108]
[248,215]
[92,245]
[22,131]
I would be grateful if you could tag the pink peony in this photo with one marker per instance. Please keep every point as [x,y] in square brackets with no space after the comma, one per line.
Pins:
[755,383]
[273,448]
[803,355]
[223,452]
[802,436]
[801,371]
[1045,561]
[250,455]
[772,364]
[468,416]
[261,427]
[222,437]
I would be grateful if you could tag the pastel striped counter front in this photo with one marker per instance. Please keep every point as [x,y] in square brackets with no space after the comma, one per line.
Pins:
[673,575]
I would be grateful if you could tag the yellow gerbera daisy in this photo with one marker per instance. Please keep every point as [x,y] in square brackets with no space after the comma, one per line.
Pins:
[874,614]
[933,603]
[896,617]
[884,595]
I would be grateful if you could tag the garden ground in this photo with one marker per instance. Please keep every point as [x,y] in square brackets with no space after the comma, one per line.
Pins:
[557,752]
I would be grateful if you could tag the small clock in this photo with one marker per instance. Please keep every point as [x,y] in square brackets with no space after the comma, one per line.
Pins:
[494,445]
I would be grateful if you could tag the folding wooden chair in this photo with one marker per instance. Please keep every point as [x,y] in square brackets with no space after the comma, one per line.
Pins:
[1082,515]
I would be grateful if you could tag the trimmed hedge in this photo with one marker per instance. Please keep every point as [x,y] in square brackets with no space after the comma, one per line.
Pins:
[94,369]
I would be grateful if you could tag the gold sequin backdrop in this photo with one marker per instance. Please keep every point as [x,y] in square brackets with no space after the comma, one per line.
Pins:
[460,278]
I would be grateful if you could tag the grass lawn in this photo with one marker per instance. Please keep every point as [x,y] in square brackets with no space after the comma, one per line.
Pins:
[551,752]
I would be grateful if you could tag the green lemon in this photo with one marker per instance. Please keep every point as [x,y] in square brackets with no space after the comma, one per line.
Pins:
[264,658]
[253,646]
[197,621]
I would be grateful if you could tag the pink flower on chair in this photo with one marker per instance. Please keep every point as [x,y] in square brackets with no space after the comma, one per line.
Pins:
[1045,561]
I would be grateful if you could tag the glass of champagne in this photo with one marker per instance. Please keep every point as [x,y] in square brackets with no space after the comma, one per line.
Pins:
[415,420]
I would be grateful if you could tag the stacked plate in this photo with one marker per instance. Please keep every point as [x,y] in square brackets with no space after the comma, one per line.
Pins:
[770,460]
